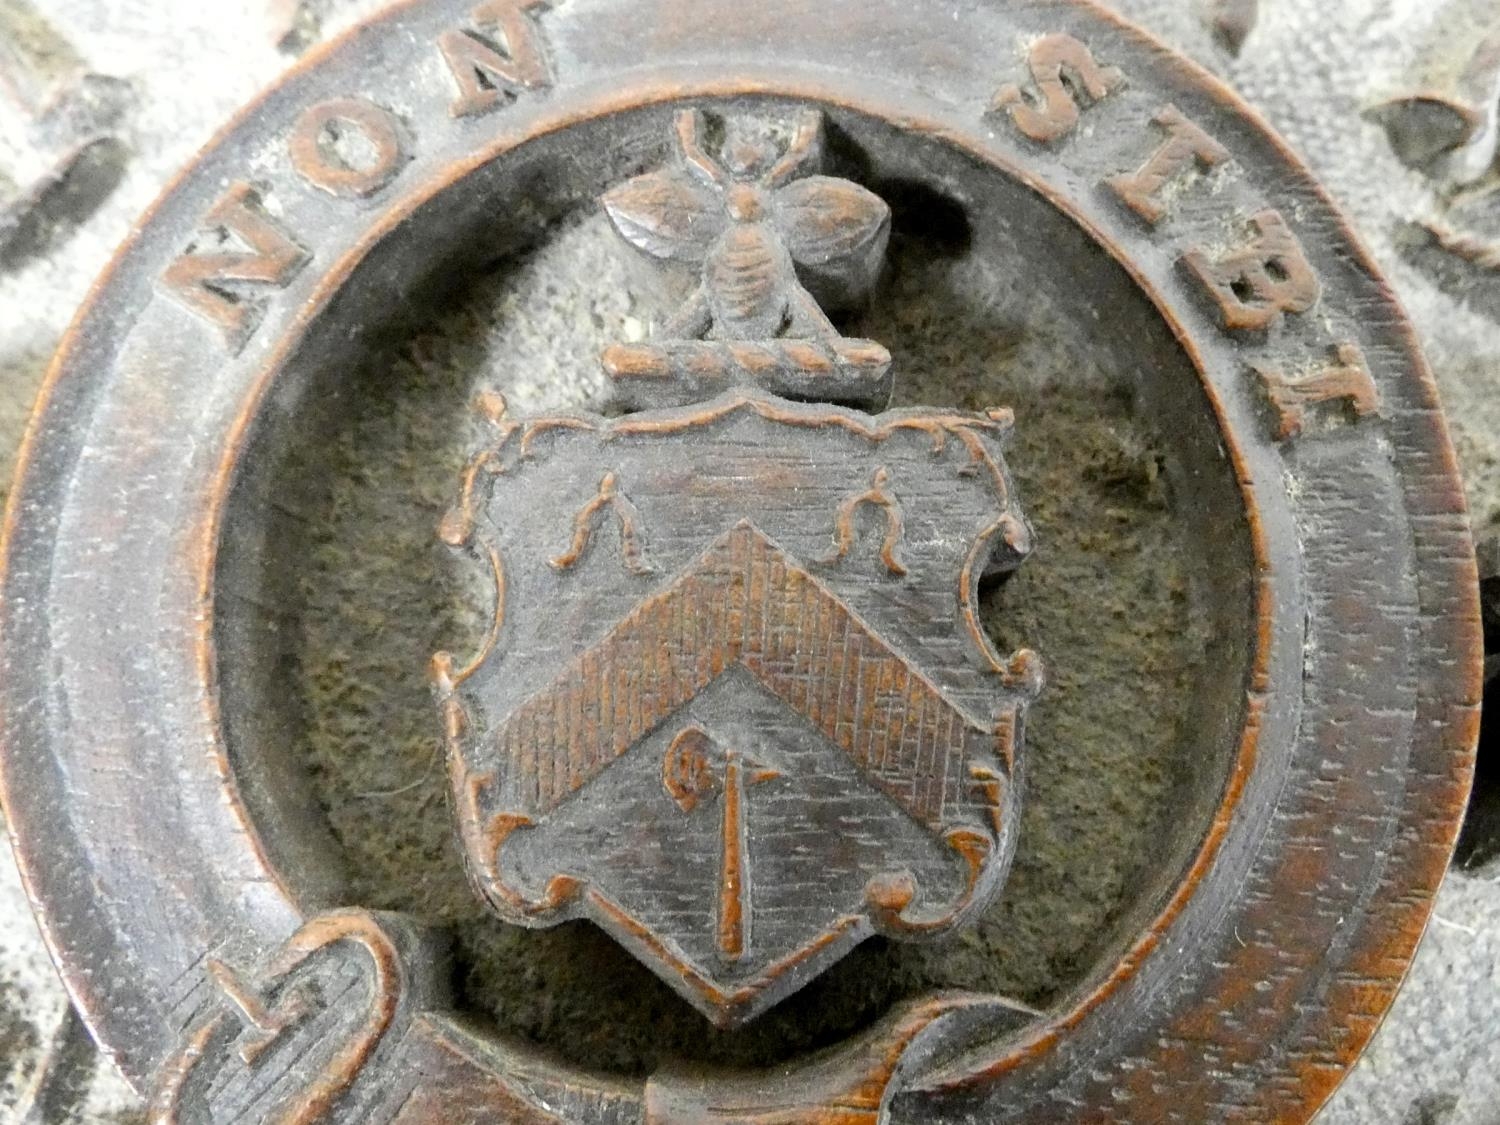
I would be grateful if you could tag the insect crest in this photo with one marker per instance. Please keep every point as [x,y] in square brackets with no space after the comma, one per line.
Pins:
[773,240]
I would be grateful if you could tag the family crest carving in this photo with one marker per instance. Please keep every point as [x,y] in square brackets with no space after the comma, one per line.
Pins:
[767,604]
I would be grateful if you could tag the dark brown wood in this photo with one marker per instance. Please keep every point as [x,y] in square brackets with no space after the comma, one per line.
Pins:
[766,605]
[308,1033]
[763,604]
[757,229]
[744,482]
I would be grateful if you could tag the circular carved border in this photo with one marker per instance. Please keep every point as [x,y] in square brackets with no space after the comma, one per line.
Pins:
[1362,703]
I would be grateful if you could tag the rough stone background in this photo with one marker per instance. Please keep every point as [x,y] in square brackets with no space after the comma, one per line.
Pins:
[108,97]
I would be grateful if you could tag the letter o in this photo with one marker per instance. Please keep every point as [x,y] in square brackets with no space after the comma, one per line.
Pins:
[321,160]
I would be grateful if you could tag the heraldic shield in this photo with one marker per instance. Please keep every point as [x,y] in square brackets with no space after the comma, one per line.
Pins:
[736,704]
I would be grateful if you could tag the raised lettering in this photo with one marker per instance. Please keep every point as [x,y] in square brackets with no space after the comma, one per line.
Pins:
[347,147]
[1255,285]
[487,71]
[1065,73]
[1346,380]
[253,253]
[1186,145]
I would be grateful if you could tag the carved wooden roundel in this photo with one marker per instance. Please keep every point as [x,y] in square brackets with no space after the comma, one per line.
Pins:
[735,699]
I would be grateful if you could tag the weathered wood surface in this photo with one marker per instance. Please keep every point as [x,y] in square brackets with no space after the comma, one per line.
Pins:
[160,850]
[765,608]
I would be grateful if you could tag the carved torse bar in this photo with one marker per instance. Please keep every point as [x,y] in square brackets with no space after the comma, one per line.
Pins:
[737,698]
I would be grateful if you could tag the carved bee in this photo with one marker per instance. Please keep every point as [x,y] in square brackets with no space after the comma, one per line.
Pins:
[752,221]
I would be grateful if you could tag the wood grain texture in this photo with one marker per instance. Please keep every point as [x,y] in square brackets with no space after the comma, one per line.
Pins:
[769,603]
[158,845]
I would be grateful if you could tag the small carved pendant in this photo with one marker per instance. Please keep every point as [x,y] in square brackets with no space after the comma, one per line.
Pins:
[736,705]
